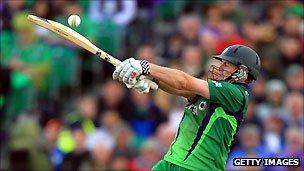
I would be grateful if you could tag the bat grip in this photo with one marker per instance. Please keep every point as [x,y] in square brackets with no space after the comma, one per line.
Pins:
[115,61]
[108,57]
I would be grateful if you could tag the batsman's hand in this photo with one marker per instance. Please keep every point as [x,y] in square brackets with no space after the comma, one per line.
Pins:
[143,85]
[130,69]
[133,73]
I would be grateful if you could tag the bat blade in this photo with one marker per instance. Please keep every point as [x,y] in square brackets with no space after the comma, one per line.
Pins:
[72,36]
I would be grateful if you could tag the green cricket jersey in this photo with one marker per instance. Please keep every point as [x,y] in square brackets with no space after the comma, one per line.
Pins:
[208,127]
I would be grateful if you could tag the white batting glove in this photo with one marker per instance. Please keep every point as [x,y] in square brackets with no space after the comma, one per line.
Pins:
[130,69]
[144,84]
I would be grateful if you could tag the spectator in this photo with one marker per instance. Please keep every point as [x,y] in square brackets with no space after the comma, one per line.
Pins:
[74,160]
[25,151]
[251,116]
[173,47]
[213,21]
[274,13]
[192,60]
[100,144]
[164,135]
[294,143]
[294,77]
[30,60]
[275,91]
[229,11]
[228,36]
[112,96]
[100,137]
[125,144]
[147,52]
[290,49]
[8,8]
[147,116]
[149,154]
[100,158]
[121,12]
[273,133]
[119,163]
[294,105]
[294,148]
[271,61]
[51,134]
[208,42]
[292,26]
[111,121]
[189,28]
[85,115]
[250,138]
[250,31]
[42,9]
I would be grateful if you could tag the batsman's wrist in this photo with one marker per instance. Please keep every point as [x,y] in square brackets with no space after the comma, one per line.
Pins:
[156,81]
[145,67]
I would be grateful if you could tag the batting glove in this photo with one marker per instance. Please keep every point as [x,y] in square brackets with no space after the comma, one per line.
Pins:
[130,69]
[143,85]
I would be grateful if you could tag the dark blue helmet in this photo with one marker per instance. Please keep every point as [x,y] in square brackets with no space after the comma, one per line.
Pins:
[242,55]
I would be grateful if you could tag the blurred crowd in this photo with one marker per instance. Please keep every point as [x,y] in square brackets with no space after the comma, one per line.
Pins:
[61,110]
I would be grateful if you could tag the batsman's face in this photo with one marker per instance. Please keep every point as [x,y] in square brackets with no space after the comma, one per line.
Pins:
[221,70]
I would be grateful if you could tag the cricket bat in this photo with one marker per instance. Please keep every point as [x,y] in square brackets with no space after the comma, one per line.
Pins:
[73,36]
[81,41]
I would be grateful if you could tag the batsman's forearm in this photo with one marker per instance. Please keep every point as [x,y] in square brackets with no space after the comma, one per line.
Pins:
[172,77]
[165,87]
[180,82]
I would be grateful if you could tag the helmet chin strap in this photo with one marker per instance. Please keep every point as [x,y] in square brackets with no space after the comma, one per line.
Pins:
[239,75]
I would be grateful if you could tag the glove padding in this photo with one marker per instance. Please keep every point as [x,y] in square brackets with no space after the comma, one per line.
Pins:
[128,71]
[143,85]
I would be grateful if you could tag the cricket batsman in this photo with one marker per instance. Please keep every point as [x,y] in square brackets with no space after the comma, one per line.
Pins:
[216,107]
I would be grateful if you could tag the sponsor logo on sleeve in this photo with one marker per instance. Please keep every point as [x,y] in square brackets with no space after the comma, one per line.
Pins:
[217,84]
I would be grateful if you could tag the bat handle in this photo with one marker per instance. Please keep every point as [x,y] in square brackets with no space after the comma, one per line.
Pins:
[108,57]
[114,61]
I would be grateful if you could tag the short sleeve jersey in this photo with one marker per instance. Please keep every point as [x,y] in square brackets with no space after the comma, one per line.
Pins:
[208,127]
